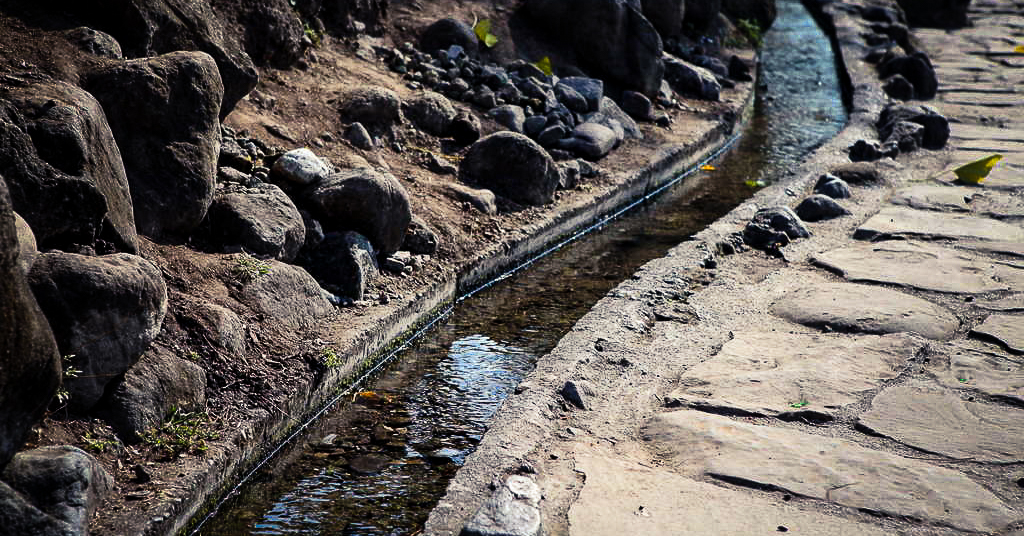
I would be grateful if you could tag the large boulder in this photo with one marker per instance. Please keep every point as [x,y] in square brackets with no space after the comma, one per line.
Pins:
[287,297]
[700,15]
[104,310]
[431,112]
[270,30]
[28,353]
[64,483]
[261,219]
[513,166]
[146,28]
[590,140]
[344,263]
[19,516]
[164,115]
[373,204]
[150,389]
[64,168]
[665,15]
[377,108]
[691,80]
[611,36]
[353,16]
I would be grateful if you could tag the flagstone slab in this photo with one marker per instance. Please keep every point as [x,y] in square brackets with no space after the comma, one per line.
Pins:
[622,497]
[825,468]
[980,132]
[1006,248]
[1007,329]
[1013,302]
[768,373]
[856,308]
[975,199]
[983,368]
[895,222]
[934,419]
[996,100]
[921,266]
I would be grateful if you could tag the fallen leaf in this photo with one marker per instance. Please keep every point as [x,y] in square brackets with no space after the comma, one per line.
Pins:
[544,64]
[975,172]
[483,32]
[1019,49]
[707,167]
[799,404]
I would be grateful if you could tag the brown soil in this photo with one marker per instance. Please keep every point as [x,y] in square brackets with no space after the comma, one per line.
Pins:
[290,109]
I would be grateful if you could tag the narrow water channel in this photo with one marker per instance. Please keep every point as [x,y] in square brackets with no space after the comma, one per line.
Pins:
[400,438]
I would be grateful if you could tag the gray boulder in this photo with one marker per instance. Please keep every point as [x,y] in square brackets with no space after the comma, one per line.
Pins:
[610,110]
[512,510]
[509,116]
[419,238]
[571,98]
[832,186]
[300,167]
[377,108]
[261,219]
[150,389]
[612,36]
[104,310]
[480,199]
[373,204]
[819,207]
[28,353]
[345,263]
[431,112]
[287,297]
[591,89]
[916,69]
[94,42]
[907,136]
[590,140]
[513,166]
[359,137]
[774,227]
[637,105]
[64,483]
[164,113]
[64,168]
[691,80]
[19,516]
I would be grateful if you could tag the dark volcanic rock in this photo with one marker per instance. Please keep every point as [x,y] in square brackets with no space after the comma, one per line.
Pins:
[104,310]
[270,31]
[590,140]
[64,169]
[373,204]
[19,516]
[28,354]
[700,15]
[898,87]
[261,219]
[94,42]
[947,14]
[150,389]
[637,105]
[592,89]
[917,69]
[377,108]
[665,15]
[691,80]
[773,227]
[513,166]
[63,482]
[869,151]
[345,263]
[819,207]
[907,136]
[509,116]
[936,126]
[287,296]
[832,186]
[447,32]
[761,11]
[431,112]
[164,113]
[419,238]
[465,128]
[613,37]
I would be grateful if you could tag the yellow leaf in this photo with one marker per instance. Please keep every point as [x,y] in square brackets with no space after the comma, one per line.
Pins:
[707,167]
[544,64]
[483,32]
[1019,49]
[975,172]
[490,40]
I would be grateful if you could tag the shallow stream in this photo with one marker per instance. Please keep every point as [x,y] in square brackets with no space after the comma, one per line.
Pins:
[399,439]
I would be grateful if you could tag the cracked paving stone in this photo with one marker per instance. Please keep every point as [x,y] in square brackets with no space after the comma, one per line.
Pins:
[905,222]
[856,308]
[922,266]
[824,468]
[769,373]
[1015,249]
[959,199]
[1007,329]
[933,419]
[622,497]
[980,367]
[1013,302]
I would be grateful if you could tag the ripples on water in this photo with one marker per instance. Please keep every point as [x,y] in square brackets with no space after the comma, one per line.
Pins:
[432,404]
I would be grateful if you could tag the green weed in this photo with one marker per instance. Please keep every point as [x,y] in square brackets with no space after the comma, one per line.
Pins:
[249,268]
[182,433]
[752,31]
[330,358]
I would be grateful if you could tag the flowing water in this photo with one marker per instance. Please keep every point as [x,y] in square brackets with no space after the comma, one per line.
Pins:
[399,439]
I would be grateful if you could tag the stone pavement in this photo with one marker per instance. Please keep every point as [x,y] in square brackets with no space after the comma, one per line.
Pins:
[870,382]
